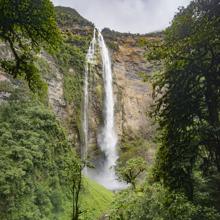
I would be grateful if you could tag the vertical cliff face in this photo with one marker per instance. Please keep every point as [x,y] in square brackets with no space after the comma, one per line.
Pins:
[132,84]
[54,79]
[64,74]
[65,83]
[133,95]
[133,92]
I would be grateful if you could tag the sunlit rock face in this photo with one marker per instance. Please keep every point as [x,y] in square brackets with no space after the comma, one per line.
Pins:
[133,88]
[132,83]
[133,95]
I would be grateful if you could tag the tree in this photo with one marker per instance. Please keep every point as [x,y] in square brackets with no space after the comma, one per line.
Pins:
[157,202]
[131,171]
[74,176]
[26,26]
[188,95]
[33,158]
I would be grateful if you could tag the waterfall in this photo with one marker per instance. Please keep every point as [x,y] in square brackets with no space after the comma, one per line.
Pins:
[107,138]
[89,62]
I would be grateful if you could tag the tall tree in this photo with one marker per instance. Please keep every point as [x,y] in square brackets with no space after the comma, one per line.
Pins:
[27,26]
[188,94]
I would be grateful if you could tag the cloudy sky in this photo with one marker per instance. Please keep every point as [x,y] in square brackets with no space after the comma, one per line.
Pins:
[135,16]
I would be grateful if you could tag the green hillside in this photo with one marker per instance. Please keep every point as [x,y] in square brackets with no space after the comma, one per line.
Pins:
[95,201]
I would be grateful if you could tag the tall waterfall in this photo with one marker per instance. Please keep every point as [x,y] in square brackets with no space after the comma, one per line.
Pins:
[107,138]
[89,62]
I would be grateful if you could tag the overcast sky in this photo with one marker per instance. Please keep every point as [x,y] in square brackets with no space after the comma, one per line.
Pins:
[135,16]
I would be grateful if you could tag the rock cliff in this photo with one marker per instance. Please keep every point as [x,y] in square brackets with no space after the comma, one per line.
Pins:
[132,85]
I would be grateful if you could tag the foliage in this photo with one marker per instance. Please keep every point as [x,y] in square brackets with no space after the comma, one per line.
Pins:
[28,71]
[131,170]
[6,86]
[113,45]
[186,170]
[74,177]
[187,96]
[126,206]
[207,191]
[142,41]
[157,203]
[43,65]
[27,26]
[94,200]
[144,76]
[72,56]
[71,60]
[40,176]
[68,17]
[34,154]
[132,146]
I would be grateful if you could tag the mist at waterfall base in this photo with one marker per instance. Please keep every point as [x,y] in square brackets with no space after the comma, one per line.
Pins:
[104,172]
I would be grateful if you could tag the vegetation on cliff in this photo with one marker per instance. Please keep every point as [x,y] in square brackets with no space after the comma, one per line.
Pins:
[69,17]
[34,160]
[70,58]
[27,27]
[184,180]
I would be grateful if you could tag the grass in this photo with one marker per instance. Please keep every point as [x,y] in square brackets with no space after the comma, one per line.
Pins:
[95,201]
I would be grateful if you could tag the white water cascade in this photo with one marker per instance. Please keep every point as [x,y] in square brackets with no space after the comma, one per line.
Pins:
[89,62]
[107,138]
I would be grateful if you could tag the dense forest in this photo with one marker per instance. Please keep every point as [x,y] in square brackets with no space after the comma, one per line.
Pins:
[41,172]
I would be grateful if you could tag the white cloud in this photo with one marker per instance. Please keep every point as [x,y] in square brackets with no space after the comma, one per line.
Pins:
[135,16]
